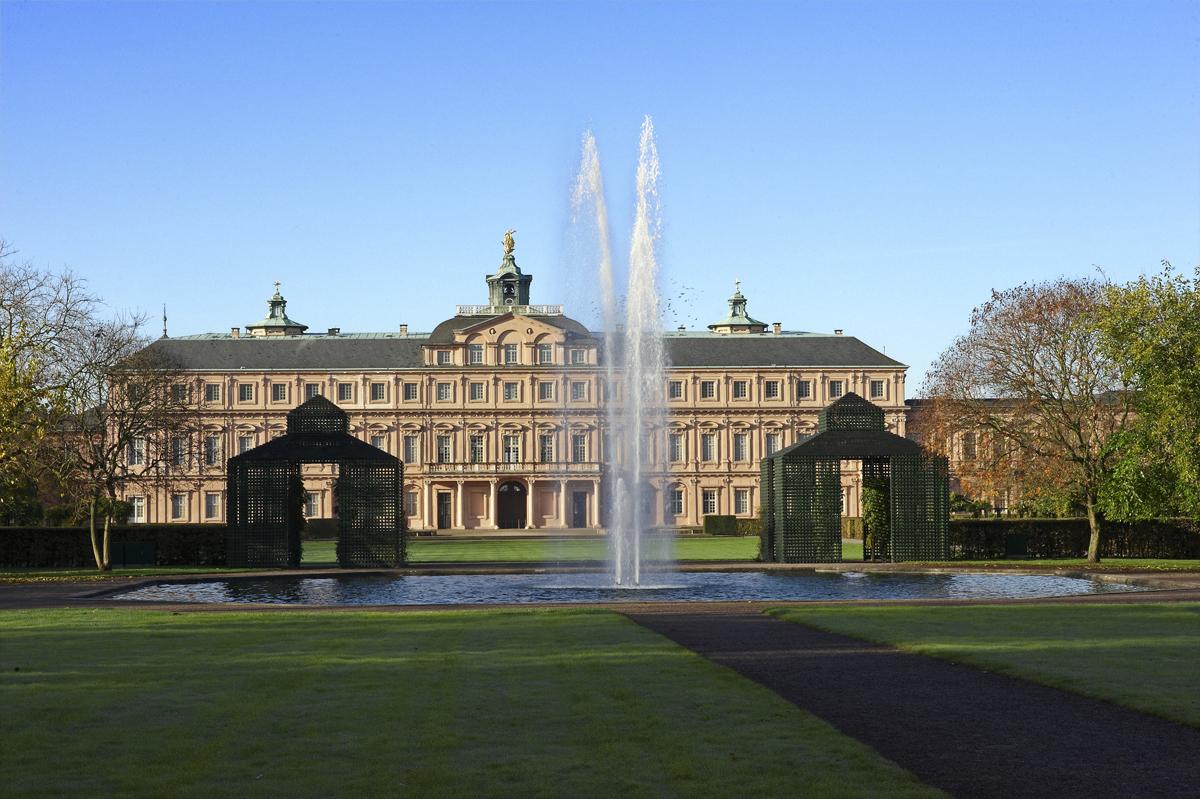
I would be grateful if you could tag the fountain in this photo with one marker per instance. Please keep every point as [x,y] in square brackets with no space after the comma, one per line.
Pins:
[634,360]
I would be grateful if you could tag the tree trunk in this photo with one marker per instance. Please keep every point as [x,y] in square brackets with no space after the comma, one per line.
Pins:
[1093,555]
[107,564]
[92,534]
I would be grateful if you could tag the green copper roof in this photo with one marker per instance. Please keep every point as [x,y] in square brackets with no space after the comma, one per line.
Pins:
[277,315]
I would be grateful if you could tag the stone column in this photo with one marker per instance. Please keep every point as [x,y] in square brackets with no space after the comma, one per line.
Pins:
[491,512]
[427,510]
[562,503]
[529,505]
[594,505]
[459,503]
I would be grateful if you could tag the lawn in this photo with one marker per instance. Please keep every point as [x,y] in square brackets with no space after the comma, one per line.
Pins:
[524,550]
[475,703]
[1144,656]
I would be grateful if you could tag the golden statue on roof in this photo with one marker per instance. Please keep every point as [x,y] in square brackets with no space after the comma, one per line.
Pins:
[509,242]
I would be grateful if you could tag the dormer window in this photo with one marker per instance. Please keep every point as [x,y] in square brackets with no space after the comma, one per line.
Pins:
[444,358]
[578,356]
[511,354]
[474,353]
[545,354]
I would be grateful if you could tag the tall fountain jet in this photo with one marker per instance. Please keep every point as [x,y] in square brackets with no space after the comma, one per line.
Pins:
[634,359]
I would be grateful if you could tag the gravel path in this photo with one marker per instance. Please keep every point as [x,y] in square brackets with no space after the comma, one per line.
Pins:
[967,731]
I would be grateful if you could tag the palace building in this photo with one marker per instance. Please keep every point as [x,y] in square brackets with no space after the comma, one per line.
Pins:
[498,412]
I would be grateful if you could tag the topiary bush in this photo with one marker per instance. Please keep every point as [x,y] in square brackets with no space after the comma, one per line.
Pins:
[720,525]
[986,539]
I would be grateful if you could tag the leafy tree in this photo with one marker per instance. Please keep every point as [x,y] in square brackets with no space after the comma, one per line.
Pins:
[26,411]
[1151,328]
[1031,378]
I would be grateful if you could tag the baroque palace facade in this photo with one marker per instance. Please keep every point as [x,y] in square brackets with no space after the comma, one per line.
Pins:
[498,413]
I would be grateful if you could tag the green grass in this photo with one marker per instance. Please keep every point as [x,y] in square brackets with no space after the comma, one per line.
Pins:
[1144,656]
[575,703]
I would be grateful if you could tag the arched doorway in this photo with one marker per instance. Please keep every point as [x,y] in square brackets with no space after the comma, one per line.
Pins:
[510,506]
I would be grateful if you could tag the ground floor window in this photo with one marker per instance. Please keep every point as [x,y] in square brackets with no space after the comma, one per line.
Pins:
[212,505]
[675,501]
[741,501]
[312,505]
[410,503]
[709,500]
[138,516]
[178,506]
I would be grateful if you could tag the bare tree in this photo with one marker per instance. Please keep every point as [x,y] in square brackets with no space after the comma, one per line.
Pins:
[125,404]
[1030,376]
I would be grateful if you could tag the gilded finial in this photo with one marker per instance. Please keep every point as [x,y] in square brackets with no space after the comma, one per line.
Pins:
[509,242]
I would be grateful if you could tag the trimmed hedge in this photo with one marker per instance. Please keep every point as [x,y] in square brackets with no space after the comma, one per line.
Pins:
[720,525]
[70,547]
[990,539]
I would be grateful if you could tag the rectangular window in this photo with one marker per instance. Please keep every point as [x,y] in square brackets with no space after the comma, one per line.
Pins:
[708,447]
[969,449]
[212,392]
[445,451]
[410,449]
[512,448]
[379,442]
[678,452]
[475,354]
[278,392]
[545,354]
[771,389]
[443,392]
[245,392]
[740,441]
[178,506]
[803,390]
[345,392]
[835,389]
[512,392]
[545,390]
[477,392]
[578,391]
[136,456]
[139,509]
[578,357]
[675,389]
[181,394]
[741,501]
[444,358]
[245,443]
[511,354]
[410,392]
[212,451]
[772,443]
[676,501]
[877,389]
[579,447]
[410,503]
[378,392]
[311,505]
[212,505]
[739,389]
[477,444]
[546,448]
[178,451]
[311,390]
[708,500]
[708,389]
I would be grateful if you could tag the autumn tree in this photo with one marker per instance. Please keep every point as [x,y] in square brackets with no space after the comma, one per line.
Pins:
[1151,329]
[1031,380]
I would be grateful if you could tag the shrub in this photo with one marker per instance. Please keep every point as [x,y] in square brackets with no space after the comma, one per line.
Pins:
[749,526]
[852,527]
[987,539]
[720,525]
[70,547]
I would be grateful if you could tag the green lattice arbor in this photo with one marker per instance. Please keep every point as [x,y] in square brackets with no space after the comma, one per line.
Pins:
[265,494]
[802,490]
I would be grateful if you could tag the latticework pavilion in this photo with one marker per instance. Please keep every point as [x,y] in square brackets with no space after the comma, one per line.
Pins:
[266,493]
[802,490]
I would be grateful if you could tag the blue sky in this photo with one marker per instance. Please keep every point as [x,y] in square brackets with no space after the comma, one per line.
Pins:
[877,167]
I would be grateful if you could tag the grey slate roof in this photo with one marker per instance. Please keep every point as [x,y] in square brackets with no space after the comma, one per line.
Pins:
[389,351]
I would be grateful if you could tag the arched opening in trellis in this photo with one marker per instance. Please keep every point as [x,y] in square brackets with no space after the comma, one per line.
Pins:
[906,492]
[265,496]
